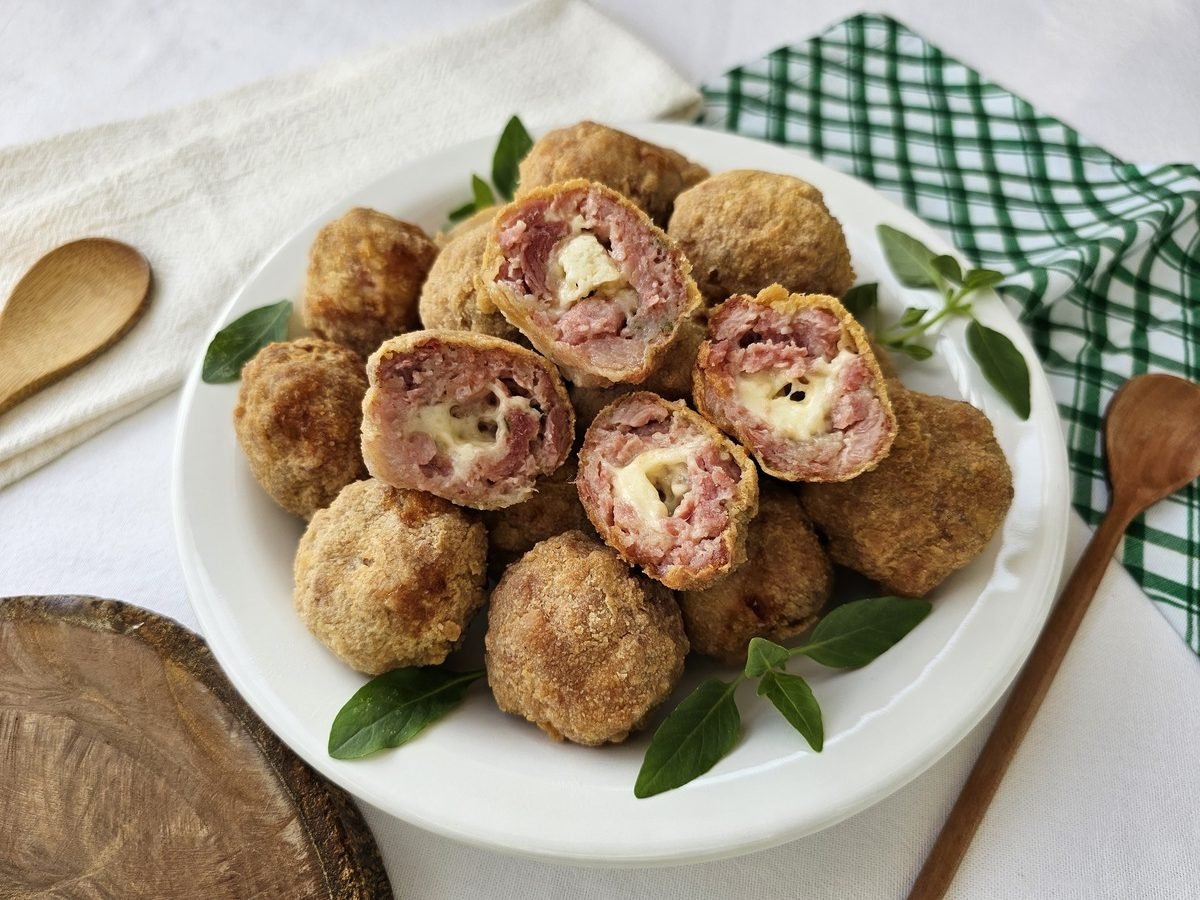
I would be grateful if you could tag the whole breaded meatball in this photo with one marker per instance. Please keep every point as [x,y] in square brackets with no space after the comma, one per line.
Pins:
[553,509]
[365,272]
[297,419]
[777,594]
[387,578]
[744,230]
[580,645]
[449,298]
[926,510]
[649,175]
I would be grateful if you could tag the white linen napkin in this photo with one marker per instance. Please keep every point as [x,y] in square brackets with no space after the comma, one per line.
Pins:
[206,190]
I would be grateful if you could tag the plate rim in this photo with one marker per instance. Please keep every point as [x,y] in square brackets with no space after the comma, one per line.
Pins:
[1054,512]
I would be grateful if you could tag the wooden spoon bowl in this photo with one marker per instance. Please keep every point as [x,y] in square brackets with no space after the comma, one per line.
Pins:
[76,302]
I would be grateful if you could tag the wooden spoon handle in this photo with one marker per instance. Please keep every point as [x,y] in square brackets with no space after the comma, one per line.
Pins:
[1027,695]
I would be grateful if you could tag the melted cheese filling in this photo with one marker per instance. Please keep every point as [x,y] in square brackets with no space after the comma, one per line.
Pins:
[654,482]
[797,407]
[467,434]
[582,267]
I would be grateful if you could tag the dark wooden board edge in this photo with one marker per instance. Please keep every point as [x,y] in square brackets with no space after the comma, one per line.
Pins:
[349,856]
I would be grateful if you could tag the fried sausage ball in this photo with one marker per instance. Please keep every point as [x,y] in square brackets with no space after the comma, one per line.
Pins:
[387,578]
[929,508]
[649,175]
[297,420]
[365,272]
[579,645]
[777,594]
[553,509]
[449,299]
[744,230]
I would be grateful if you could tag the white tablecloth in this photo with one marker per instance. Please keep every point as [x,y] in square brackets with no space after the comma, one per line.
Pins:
[1102,799]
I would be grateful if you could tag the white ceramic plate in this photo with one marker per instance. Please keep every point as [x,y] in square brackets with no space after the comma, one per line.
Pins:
[494,780]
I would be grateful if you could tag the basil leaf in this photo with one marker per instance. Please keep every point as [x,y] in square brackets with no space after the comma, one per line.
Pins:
[461,212]
[912,315]
[976,279]
[947,267]
[236,343]
[856,633]
[909,259]
[483,193]
[794,698]
[1002,365]
[393,708]
[861,299]
[915,351]
[762,655]
[691,740]
[514,143]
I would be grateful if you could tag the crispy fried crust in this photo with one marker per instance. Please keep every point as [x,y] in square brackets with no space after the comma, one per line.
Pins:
[449,298]
[777,594]
[553,509]
[741,508]
[574,363]
[710,391]
[580,645]
[649,175]
[374,439]
[929,508]
[297,420]
[387,578]
[745,229]
[365,271]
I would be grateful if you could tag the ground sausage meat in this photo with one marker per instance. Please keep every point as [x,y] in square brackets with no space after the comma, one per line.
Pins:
[469,417]
[667,490]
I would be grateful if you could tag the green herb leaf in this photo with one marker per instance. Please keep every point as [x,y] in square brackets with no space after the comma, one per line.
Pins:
[856,633]
[461,212]
[912,315]
[947,267]
[977,279]
[483,193]
[393,708]
[762,655]
[510,150]
[861,299]
[1002,365]
[236,343]
[909,259]
[915,351]
[691,740]
[794,698]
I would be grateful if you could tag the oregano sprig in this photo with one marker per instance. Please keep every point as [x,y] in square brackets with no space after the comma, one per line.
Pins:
[703,728]
[916,266]
[511,148]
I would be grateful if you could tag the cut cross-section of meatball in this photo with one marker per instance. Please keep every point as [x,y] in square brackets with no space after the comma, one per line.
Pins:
[469,417]
[793,377]
[667,490]
[590,280]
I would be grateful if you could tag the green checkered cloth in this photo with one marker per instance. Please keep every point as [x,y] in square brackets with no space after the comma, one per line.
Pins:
[1103,256]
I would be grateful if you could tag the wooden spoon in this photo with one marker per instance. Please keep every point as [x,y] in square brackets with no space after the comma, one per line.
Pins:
[76,302]
[1152,433]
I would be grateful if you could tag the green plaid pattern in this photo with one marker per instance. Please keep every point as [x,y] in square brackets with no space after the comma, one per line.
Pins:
[1103,256]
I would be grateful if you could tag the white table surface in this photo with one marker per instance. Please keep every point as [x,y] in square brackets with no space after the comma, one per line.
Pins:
[1103,798]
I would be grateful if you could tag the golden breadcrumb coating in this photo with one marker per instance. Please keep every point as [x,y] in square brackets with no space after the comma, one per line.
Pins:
[580,645]
[387,578]
[649,175]
[553,509]
[297,420]
[365,272]
[929,508]
[777,594]
[744,230]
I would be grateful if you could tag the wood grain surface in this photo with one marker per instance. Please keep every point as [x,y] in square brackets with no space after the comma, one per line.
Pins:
[129,767]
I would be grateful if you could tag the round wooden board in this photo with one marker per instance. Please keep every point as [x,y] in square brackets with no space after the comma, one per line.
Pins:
[129,767]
